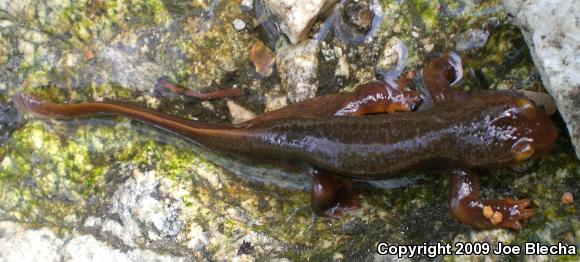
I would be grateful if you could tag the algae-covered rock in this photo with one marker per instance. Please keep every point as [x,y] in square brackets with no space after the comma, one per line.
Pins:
[109,186]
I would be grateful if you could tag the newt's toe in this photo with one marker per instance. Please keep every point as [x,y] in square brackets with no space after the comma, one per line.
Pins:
[508,213]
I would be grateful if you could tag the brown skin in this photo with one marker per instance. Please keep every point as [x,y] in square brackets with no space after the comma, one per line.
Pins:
[459,130]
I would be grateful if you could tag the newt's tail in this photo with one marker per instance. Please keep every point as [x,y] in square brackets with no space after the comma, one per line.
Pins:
[198,131]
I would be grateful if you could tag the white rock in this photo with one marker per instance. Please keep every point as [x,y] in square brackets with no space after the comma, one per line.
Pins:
[552,32]
[239,24]
[239,113]
[247,5]
[298,67]
[296,17]
[342,68]
[87,248]
[19,244]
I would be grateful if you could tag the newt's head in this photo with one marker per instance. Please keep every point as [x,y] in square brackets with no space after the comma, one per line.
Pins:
[507,129]
[521,131]
[536,132]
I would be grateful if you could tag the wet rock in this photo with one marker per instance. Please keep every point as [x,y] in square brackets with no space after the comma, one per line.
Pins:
[471,39]
[239,113]
[263,58]
[298,66]
[356,22]
[554,49]
[393,59]
[294,18]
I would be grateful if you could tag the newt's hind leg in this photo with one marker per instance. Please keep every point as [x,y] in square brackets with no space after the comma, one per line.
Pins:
[369,98]
[467,206]
[331,195]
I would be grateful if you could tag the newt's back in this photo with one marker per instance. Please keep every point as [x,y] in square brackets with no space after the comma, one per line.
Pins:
[481,129]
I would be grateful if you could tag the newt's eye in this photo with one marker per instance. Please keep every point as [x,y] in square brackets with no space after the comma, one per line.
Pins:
[523,149]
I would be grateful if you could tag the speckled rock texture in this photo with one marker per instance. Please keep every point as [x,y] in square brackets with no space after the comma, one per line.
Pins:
[296,17]
[18,243]
[299,70]
[109,186]
[552,30]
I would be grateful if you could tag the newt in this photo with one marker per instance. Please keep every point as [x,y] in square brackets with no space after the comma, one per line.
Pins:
[376,132]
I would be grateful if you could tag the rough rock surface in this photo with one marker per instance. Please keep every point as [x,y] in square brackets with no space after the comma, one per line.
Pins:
[552,30]
[298,66]
[296,17]
[16,242]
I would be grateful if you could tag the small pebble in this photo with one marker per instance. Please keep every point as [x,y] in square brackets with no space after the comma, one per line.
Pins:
[247,5]
[89,54]
[472,39]
[568,198]
[342,67]
[239,24]
[263,58]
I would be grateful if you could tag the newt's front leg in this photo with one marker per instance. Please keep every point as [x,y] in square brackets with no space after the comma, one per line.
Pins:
[467,206]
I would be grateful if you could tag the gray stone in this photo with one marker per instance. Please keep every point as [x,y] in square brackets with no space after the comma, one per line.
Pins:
[137,202]
[113,67]
[471,39]
[552,31]
[298,67]
[239,24]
